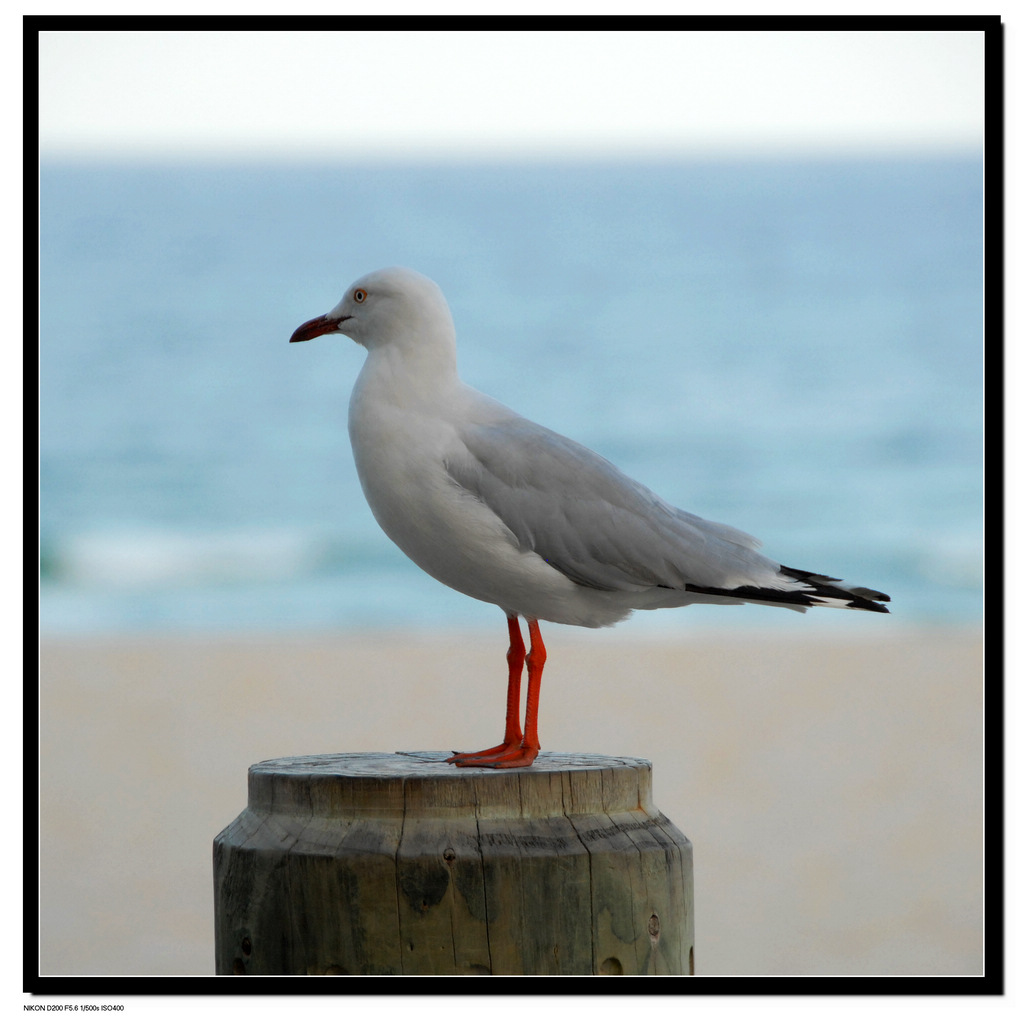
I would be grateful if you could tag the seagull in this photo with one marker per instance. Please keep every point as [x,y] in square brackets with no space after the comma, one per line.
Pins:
[511,513]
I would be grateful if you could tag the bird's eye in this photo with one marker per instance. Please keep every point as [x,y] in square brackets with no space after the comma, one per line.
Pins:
[359,295]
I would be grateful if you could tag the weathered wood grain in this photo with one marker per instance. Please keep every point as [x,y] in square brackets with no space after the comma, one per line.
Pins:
[402,864]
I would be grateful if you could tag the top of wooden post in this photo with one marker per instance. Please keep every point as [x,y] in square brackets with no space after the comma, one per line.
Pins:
[421,784]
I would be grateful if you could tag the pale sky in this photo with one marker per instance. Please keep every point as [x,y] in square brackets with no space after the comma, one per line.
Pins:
[301,95]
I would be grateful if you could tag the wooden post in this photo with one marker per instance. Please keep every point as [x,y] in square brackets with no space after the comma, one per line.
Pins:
[402,864]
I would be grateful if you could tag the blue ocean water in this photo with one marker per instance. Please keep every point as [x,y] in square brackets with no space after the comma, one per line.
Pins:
[794,348]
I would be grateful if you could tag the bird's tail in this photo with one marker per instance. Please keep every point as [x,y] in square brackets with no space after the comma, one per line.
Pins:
[815,590]
[827,590]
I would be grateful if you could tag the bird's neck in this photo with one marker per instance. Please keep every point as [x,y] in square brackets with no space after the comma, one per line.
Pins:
[413,375]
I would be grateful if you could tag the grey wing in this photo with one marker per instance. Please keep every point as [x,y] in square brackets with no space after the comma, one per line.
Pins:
[590,521]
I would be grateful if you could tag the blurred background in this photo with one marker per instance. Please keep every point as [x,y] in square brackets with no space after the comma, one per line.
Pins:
[773,321]
[744,266]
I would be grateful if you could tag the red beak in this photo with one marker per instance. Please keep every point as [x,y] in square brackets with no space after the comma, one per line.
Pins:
[317,326]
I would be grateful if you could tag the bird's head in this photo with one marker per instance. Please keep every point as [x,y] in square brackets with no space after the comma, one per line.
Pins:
[387,307]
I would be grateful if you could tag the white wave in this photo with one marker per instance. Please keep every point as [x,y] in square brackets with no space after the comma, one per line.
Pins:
[155,558]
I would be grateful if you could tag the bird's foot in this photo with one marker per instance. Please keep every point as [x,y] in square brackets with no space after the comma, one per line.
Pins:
[458,755]
[507,755]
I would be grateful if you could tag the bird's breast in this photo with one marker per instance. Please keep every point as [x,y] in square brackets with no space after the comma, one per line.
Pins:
[400,455]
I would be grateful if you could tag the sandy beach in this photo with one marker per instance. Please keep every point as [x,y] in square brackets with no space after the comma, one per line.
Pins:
[831,784]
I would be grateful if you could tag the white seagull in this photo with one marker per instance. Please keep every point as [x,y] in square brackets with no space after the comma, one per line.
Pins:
[509,512]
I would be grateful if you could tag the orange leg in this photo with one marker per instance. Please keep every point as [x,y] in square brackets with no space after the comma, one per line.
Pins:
[513,734]
[519,747]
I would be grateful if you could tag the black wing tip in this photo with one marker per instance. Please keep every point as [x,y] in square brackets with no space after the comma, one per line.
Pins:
[863,598]
[867,606]
[819,593]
